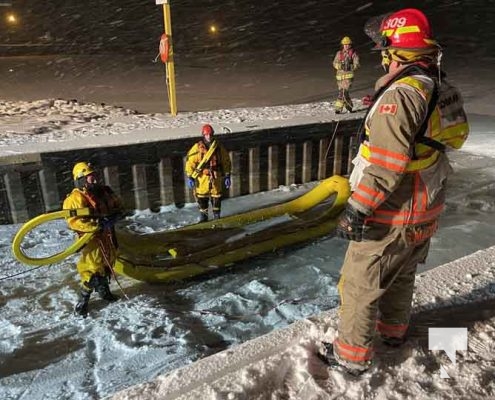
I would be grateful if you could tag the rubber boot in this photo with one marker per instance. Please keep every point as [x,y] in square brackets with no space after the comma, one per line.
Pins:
[203,209]
[203,217]
[103,289]
[349,106]
[82,305]
[331,358]
[348,102]
[393,341]
[216,204]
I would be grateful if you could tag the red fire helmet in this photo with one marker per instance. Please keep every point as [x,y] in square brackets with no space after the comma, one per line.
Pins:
[406,29]
[207,130]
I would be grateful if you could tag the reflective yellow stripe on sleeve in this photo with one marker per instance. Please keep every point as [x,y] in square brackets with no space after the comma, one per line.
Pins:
[412,166]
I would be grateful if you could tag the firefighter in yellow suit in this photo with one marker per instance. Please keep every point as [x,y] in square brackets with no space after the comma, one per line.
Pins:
[208,170]
[345,62]
[398,189]
[98,255]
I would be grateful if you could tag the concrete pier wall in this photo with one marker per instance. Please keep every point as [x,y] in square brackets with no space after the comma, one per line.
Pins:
[150,175]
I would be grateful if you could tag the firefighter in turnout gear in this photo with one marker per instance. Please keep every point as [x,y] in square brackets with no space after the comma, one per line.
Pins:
[398,188]
[208,171]
[345,62]
[98,255]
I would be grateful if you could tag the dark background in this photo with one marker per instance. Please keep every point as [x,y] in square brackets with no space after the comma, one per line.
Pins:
[289,26]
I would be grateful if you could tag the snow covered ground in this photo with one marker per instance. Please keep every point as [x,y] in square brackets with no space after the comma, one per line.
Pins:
[47,353]
[284,364]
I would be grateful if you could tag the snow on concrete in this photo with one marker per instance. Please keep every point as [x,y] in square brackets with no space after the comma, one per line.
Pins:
[54,124]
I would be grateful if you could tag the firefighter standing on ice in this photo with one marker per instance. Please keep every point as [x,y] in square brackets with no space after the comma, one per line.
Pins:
[398,187]
[98,255]
[346,61]
[208,170]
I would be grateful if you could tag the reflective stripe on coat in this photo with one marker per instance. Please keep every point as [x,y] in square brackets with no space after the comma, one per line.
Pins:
[391,186]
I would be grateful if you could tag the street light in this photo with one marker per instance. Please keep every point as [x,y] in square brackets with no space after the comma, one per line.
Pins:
[12,19]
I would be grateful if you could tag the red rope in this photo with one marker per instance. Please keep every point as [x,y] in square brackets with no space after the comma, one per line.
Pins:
[110,266]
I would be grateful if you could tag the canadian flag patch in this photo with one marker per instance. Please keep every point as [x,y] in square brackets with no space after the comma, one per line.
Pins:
[388,109]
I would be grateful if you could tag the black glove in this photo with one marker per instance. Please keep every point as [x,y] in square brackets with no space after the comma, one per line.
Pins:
[350,224]
[109,221]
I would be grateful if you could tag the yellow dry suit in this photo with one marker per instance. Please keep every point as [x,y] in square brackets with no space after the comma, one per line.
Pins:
[100,252]
[208,173]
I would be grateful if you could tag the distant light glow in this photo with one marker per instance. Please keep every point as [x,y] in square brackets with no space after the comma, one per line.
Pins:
[213,29]
[11,19]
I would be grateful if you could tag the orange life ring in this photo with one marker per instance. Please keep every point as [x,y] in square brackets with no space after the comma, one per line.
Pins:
[164,48]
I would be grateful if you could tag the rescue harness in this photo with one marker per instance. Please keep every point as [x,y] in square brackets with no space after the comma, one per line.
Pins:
[206,158]
[346,60]
[420,135]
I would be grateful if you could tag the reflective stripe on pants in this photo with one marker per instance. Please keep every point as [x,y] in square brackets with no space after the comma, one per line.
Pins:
[377,278]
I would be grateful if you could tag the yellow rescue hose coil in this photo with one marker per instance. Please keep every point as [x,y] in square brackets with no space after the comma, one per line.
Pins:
[41,219]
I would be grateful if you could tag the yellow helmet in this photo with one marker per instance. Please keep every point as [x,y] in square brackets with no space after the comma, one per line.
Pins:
[82,169]
[346,40]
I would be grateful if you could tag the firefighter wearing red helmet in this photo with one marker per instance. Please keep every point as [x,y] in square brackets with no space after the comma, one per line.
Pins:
[345,62]
[208,170]
[98,255]
[398,188]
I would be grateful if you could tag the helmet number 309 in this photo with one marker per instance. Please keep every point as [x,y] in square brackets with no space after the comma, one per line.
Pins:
[395,22]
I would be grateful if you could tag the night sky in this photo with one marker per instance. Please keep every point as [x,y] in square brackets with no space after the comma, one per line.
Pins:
[290,25]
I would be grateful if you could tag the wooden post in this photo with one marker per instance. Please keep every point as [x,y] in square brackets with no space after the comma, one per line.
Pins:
[337,160]
[254,170]
[165,171]
[306,161]
[290,164]
[15,195]
[272,167]
[49,190]
[322,158]
[139,183]
[112,179]
[235,188]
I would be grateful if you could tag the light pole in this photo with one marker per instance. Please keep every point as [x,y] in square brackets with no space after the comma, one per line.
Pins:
[169,57]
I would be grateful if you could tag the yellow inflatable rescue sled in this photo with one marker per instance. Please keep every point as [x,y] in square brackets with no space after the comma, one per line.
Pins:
[205,247]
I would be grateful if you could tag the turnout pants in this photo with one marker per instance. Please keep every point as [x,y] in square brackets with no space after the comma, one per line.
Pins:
[376,287]
[344,97]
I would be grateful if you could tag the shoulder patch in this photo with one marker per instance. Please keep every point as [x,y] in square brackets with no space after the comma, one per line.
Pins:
[390,108]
